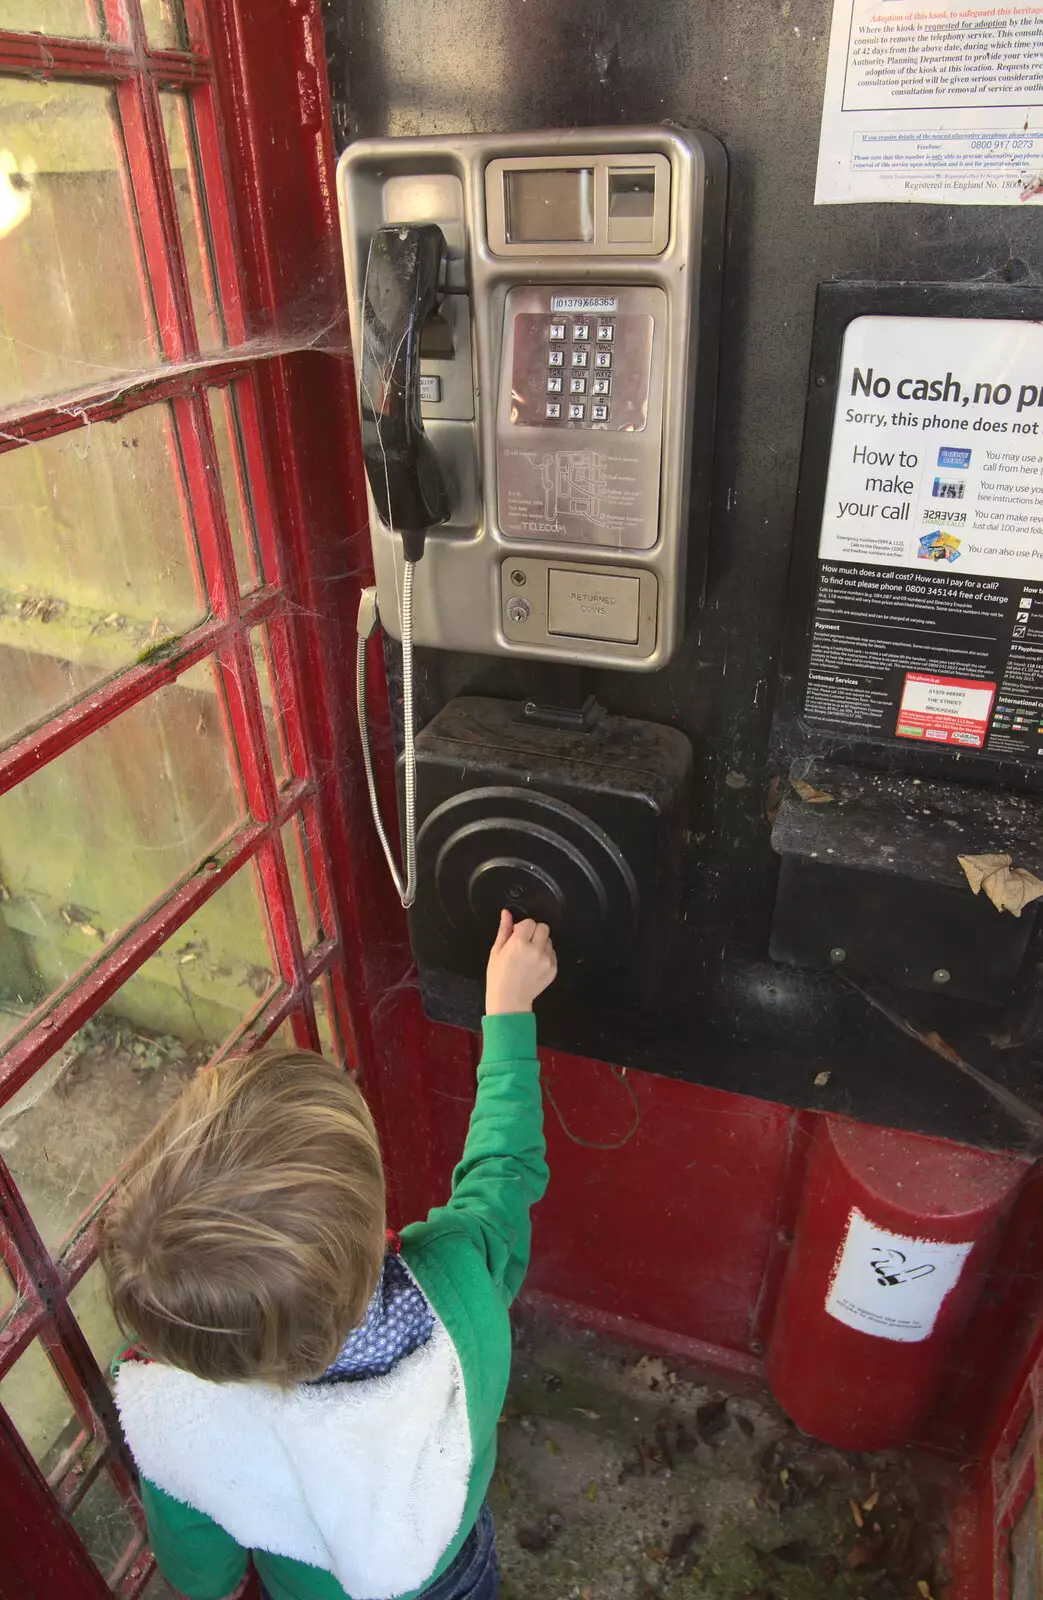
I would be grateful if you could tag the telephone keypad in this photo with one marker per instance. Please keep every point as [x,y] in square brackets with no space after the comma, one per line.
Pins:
[572,358]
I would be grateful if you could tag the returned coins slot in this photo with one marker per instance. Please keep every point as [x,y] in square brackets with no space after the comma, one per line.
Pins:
[631,205]
[550,205]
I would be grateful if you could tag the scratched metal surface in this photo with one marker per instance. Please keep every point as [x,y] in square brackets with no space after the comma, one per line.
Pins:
[751,72]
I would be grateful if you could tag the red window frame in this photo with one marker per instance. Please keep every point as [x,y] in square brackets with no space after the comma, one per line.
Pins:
[235,51]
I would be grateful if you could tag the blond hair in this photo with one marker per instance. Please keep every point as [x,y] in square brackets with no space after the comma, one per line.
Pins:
[247,1236]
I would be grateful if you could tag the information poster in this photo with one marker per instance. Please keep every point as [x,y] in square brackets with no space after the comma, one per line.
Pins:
[939,103]
[928,615]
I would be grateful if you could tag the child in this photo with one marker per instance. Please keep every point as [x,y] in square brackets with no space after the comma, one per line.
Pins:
[301,1391]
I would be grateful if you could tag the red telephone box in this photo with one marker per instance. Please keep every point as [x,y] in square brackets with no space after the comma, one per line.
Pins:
[177,700]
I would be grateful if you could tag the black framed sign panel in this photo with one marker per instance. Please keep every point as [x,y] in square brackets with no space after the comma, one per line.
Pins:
[914,632]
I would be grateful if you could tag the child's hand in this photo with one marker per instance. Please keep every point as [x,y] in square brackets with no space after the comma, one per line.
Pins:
[521,966]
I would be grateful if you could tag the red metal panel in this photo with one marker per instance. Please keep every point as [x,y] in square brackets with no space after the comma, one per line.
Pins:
[40,1556]
[662,1200]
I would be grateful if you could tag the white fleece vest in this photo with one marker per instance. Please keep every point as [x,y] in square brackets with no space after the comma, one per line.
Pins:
[367,1480]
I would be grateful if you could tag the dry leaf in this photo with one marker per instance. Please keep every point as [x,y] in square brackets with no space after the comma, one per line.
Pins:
[856,1512]
[923,1588]
[654,1553]
[810,795]
[1009,888]
[821,1079]
[591,1491]
[651,1371]
[871,1503]
[552,1447]
[784,1476]
[585,1411]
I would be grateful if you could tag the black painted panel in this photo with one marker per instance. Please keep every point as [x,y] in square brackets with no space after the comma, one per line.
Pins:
[750,71]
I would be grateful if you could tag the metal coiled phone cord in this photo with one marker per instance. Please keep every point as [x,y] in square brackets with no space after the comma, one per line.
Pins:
[367,621]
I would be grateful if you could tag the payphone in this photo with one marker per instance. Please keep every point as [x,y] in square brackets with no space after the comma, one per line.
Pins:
[534,321]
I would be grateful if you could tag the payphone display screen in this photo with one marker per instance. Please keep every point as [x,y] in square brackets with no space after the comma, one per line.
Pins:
[579,429]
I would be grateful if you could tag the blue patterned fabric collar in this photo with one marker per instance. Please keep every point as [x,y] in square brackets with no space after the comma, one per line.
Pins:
[398,1321]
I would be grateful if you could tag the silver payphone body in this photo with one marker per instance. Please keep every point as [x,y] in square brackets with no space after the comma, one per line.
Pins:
[534,319]
[567,369]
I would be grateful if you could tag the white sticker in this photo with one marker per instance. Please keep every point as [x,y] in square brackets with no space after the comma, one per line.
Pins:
[891,1286]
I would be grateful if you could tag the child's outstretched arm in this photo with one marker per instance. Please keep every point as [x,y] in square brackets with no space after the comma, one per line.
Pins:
[503,1170]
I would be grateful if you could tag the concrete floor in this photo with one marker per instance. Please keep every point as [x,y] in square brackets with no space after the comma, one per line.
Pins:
[620,1479]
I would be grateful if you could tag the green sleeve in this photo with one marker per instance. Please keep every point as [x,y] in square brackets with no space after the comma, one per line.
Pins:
[503,1170]
[196,1557]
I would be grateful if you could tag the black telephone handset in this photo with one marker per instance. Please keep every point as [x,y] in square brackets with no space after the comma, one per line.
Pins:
[401,290]
[405,479]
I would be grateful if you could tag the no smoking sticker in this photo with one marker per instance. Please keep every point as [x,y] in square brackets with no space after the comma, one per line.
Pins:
[891,1286]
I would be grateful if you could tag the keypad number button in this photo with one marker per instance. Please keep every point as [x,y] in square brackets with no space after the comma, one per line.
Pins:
[556,358]
[557,330]
[577,386]
[606,331]
[602,386]
[553,410]
[603,359]
[580,331]
[579,358]
[554,383]
[577,412]
[599,413]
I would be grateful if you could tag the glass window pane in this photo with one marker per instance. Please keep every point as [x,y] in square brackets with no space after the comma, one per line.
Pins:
[68,1131]
[35,1399]
[88,842]
[326,1021]
[70,315]
[236,492]
[89,1304]
[1024,1554]
[275,725]
[97,567]
[68,19]
[105,1525]
[164,23]
[302,883]
[194,234]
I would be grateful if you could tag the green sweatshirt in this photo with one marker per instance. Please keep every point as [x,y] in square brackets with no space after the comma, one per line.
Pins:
[469,1258]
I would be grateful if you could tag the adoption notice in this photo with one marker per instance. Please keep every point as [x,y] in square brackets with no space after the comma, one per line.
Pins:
[938,103]
[928,612]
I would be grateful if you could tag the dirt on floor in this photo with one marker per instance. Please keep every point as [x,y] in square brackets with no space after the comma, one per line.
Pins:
[621,1479]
